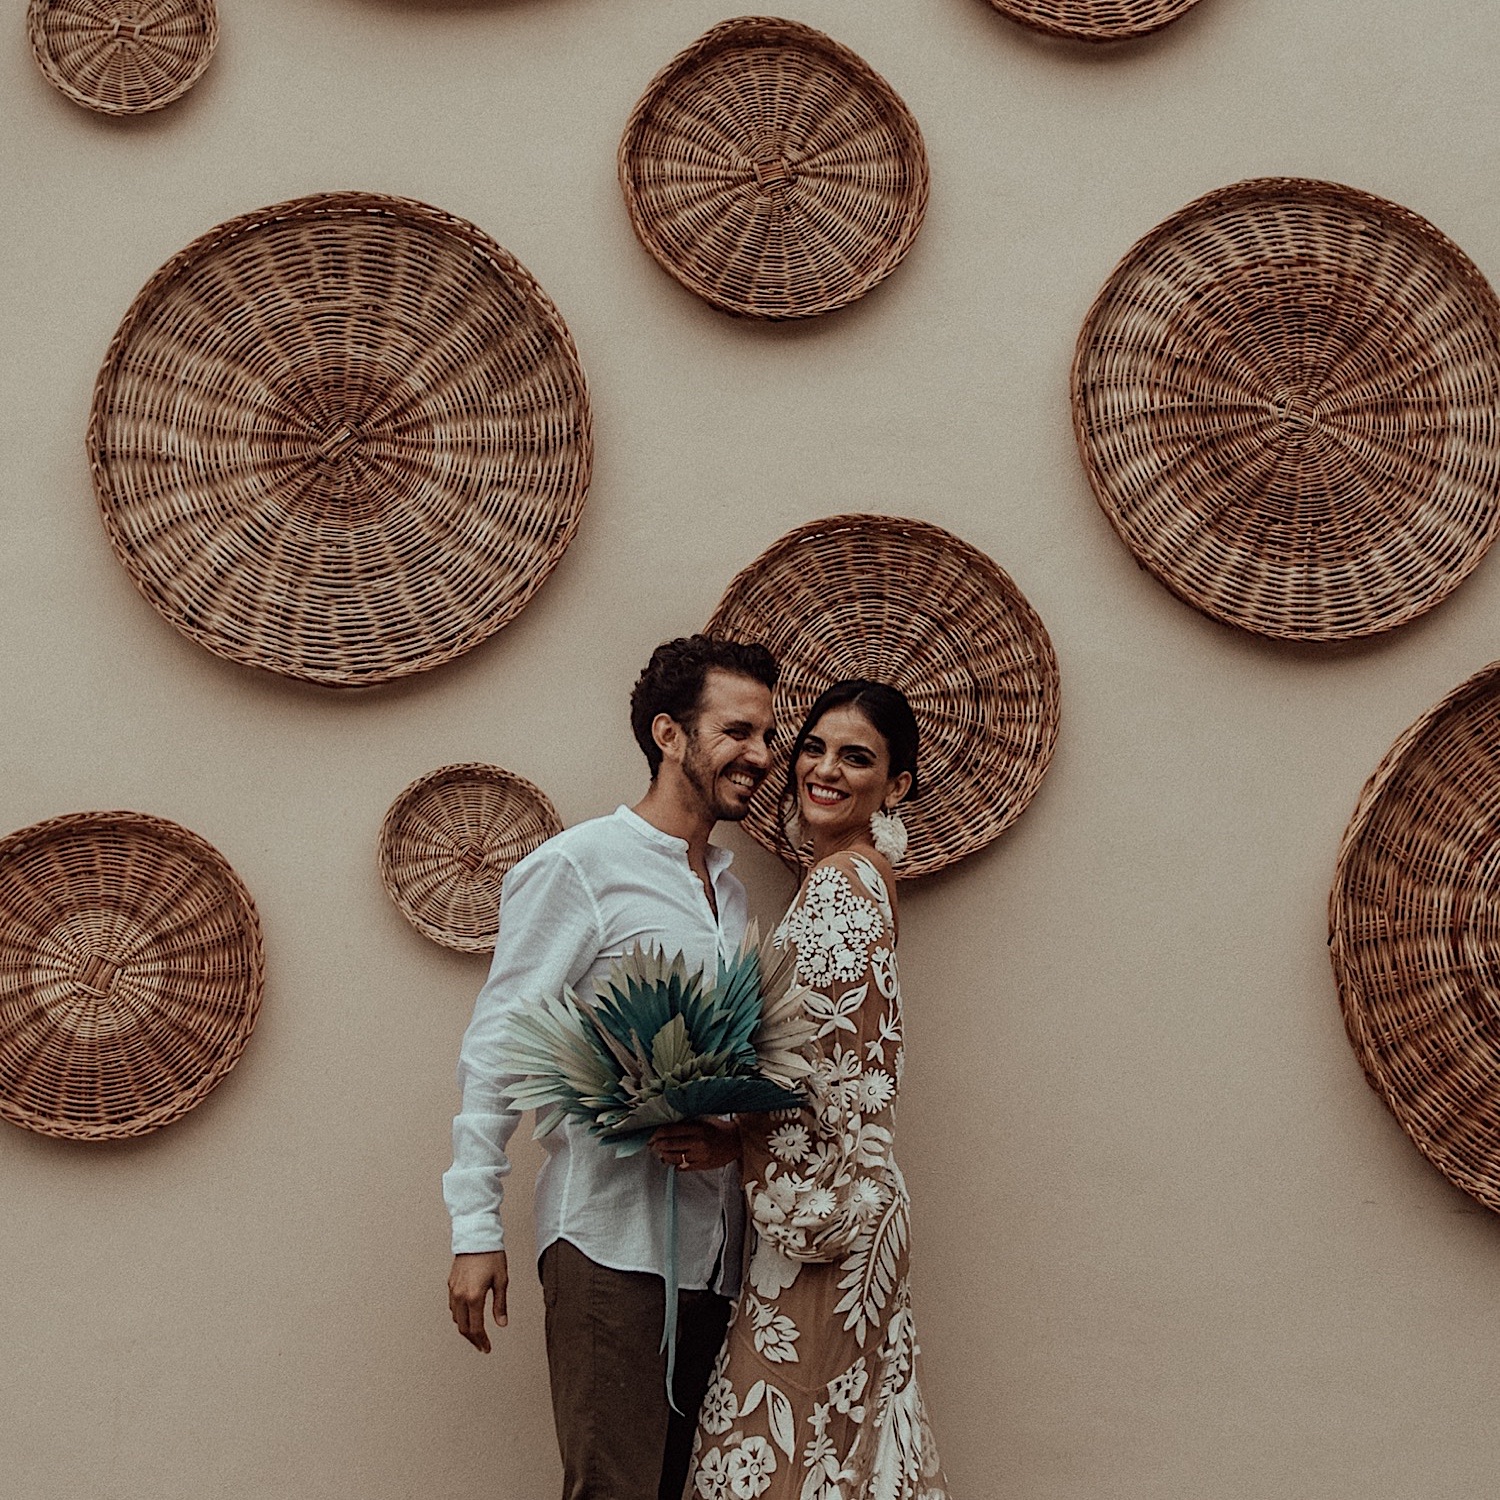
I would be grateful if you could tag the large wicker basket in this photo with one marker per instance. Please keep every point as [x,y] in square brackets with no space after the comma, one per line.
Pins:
[344,438]
[1285,398]
[447,842]
[907,603]
[1094,20]
[1414,930]
[131,971]
[123,57]
[772,171]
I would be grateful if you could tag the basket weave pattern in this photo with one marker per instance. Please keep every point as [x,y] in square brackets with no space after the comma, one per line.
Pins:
[1414,933]
[123,57]
[772,171]
[131,971]
[447,842]
[344,438]
[907,603]
[1285,400]
[1094,20]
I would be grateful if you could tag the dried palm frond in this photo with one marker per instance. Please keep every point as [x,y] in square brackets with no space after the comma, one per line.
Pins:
[657,1043]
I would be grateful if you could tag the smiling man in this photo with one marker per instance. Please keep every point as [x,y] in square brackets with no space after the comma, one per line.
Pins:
[701,712]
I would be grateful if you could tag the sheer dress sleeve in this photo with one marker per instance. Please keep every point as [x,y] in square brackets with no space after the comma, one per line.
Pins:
[817,1177]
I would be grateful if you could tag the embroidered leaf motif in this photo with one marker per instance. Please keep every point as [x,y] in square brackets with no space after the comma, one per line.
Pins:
[871,1269]
[752,1399]
[783,1424]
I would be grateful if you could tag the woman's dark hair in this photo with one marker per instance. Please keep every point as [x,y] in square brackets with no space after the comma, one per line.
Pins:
[884,706]
[672,683]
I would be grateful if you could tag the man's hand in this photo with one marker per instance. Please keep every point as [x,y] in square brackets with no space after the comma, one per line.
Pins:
[470,1283]
[701,1145]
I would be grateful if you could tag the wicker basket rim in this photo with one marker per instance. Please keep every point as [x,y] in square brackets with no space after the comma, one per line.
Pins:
[22,840]
[1390,766]
[315,205]
[742,31]
[40,50]
[1350,990]
[862,521]
[474,772]
[1168,12]
[1247,190]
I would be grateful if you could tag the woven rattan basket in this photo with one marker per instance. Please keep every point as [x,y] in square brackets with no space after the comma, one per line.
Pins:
[1414,931]
[131,972]
[773,172]
[1094,20]
[123,57]
[345,438]
[447,843]
[910,604]
[1285,398]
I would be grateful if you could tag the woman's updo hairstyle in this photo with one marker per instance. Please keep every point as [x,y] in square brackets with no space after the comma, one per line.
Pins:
[884,706]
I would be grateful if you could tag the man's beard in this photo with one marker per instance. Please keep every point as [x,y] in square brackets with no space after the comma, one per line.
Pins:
[706,784]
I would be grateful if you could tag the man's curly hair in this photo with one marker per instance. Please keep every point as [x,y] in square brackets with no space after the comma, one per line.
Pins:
[672,682]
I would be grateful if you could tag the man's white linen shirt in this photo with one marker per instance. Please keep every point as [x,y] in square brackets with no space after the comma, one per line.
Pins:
[567,911]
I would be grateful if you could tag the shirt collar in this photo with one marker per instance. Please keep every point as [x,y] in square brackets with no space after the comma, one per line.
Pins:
[719,859]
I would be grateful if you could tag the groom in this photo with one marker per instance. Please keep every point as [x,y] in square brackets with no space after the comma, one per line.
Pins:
[701,712]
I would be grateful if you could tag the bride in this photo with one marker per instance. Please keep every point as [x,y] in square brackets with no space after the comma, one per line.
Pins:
[815,1393]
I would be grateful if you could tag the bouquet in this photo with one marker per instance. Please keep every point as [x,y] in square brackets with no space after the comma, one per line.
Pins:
[658,1043]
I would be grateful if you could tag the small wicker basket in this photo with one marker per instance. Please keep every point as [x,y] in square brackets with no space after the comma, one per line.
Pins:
[131,972]
[447,842]
[344,439]
[1094,20]
[1414,933]
[907,603]
[772,171]
[1285,400]
[123,57]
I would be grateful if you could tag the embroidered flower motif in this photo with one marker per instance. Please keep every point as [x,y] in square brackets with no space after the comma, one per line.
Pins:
[790,1142]
[866,1198]
[712,1479]
[720,1407]
[750,1468]
[774,1333]
[876,1090]
[883,969]
[831,928]
[818,1206]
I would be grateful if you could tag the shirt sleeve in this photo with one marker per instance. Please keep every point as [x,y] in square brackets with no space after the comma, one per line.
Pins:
[822,1175]
[549,936]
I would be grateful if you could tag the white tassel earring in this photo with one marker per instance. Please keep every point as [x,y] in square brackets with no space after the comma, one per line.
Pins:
[889,835]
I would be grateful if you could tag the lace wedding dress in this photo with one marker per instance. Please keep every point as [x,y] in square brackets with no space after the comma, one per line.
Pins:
[815,1394]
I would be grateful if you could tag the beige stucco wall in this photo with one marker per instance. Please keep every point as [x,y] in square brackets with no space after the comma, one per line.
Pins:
[1168,1244]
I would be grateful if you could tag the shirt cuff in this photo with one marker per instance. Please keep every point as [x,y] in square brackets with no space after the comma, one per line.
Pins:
[477,1234]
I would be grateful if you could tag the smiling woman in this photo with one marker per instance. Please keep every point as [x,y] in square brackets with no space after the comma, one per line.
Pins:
[853,762]
[815,1396]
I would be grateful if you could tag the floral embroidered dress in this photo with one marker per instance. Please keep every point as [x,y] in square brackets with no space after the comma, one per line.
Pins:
[815,1394]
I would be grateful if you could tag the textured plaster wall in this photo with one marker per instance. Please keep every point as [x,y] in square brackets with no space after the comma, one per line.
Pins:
[1168,1244]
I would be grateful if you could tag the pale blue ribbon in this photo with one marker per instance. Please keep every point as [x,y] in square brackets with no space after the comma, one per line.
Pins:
[669,1318]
